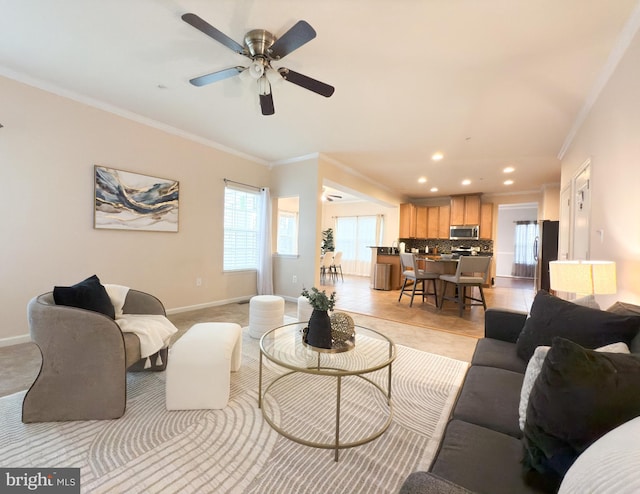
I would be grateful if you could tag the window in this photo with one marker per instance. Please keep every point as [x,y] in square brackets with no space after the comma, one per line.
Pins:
[354,236]
[240,229]
[287,239]
[287,233]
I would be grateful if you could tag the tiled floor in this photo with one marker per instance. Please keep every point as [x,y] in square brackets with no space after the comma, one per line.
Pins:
[356,295]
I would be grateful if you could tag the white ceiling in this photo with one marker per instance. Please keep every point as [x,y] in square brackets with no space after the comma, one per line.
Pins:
[488,83]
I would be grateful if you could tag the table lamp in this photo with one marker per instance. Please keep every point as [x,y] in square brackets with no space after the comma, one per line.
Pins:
[583,277]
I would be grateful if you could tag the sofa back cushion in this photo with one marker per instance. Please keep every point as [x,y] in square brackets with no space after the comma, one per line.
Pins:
[551,316]
[626,309]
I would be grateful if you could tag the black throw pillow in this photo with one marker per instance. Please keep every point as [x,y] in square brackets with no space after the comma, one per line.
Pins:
[88,294]
[579,396]
[592,328]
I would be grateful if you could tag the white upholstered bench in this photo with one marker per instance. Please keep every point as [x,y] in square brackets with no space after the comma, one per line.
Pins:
[198,372]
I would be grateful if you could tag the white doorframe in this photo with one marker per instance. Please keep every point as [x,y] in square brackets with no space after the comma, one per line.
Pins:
[581,213]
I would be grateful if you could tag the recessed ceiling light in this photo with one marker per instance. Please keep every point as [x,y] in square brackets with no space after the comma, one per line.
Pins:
[437,156]
[422,180]
[508,182]
[434,189]
[508,169]
[466,181]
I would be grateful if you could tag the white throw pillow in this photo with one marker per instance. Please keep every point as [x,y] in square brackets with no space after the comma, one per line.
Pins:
[610,465]
[535,366]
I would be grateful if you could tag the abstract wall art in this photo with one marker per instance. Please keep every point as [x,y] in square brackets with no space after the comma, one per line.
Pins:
[130,201]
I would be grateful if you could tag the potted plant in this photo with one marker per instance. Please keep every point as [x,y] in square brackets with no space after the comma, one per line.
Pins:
[327,241]
[319,330]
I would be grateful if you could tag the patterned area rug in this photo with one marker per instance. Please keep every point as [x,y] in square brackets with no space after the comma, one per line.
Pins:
[152,450]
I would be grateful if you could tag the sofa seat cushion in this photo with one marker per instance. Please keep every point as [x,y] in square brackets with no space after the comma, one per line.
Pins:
[490,398]
[497,353]
[483,460]
[131,349]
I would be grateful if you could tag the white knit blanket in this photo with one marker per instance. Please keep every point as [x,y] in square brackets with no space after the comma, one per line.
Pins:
[154,331]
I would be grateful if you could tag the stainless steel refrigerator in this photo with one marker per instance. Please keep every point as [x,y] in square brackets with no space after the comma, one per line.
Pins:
[545,249]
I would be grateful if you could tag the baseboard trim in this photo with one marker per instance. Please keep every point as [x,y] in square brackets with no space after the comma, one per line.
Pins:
[206,305]
[15,340]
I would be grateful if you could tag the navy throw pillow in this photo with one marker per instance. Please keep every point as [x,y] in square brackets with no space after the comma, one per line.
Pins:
[88,294]
[579,396]
[592,328]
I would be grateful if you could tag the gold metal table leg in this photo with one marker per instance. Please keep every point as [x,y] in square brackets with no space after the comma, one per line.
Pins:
[338,417]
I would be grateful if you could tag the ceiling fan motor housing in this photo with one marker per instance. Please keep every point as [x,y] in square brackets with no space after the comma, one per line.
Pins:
[258,42]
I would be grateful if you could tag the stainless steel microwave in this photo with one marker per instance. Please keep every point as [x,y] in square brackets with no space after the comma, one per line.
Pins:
[464,232]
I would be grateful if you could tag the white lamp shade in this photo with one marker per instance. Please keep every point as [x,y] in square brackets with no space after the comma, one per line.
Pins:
[584,277]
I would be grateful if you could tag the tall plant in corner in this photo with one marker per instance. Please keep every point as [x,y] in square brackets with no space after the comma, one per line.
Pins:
[327,241]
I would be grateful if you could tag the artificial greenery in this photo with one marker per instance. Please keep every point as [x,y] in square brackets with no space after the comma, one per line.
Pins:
[319,299]
[327,240]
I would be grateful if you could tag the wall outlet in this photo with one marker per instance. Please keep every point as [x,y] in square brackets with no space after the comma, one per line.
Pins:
[198,281]
[294,280]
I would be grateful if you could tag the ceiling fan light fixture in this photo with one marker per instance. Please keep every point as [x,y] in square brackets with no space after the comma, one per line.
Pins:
[256,69]
[263,85]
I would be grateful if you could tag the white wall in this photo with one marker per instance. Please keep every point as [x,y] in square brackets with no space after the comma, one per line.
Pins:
[610,138]
[48,147]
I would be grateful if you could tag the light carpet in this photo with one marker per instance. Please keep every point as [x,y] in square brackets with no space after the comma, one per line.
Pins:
[234,450]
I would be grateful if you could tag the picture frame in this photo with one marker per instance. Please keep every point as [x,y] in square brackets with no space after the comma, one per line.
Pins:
[126,200]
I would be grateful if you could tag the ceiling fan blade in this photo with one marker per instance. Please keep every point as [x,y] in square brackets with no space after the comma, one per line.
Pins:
[202,25]
[266,104]
[306,82]
[293,39]
[203,80]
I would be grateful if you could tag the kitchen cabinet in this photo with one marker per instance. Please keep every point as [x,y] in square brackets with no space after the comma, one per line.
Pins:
[421,222]
[465,210]
[444,222]
[407,220]
[486,221]
[433,221]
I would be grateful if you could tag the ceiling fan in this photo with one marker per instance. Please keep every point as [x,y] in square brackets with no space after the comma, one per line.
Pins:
[329,197]
[262,48]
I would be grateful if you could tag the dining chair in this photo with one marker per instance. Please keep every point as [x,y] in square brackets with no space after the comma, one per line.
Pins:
[325,266]
[411,272]
[471,271]
[337,264]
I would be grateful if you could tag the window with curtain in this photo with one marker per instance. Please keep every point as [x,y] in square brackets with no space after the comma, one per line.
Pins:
[354,235]
[524,263]
[240,229]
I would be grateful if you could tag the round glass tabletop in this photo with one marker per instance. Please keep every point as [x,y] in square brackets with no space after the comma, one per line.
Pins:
[284,346]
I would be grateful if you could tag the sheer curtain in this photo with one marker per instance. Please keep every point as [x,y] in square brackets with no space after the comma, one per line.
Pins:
[354,235]
[265,263]
[524,263]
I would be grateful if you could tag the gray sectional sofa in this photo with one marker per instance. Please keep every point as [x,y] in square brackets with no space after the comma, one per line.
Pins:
[482,448]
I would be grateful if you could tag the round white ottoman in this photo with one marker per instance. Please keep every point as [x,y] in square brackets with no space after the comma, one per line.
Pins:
[304,309]
[265,313]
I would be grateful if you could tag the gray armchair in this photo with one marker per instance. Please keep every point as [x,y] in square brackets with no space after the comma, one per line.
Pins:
[85,358]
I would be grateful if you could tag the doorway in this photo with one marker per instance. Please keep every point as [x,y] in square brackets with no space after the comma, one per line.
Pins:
[511,250]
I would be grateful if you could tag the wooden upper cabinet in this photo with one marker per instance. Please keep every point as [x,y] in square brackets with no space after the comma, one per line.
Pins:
[465,210]
[421,222]
[457,210]
[433,221]
[486,221]
[407,221]
[472,210]
[444,212]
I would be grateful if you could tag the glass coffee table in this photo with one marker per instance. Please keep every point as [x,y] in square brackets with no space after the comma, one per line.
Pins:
[326,399]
